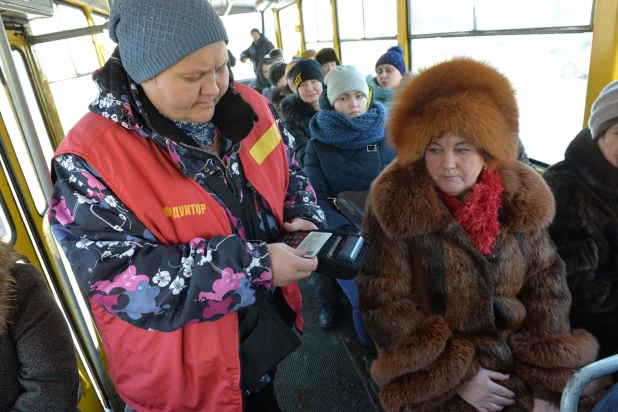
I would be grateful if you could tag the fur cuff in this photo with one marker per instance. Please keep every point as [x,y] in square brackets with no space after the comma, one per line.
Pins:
[574,351]
[453,368]
[417,353]
[545,380]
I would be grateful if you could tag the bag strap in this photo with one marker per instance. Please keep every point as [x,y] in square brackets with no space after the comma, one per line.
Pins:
[240,210]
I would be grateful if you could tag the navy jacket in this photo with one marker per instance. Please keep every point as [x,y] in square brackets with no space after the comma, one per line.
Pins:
[332,170]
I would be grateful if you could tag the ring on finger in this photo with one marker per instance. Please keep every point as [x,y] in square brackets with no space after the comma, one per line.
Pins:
[490,406]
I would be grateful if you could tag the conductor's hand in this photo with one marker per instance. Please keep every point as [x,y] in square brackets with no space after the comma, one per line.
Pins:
[288,264]
[244,60]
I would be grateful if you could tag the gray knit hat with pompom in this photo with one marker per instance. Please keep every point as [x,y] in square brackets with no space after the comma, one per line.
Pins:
[155,34]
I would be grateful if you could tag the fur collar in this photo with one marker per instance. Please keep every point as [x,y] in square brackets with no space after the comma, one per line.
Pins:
[588,160]
[7,289]
[294,110]
[406,203]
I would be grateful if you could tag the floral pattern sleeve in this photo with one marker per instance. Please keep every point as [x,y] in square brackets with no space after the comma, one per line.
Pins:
[301,201]
[120,265]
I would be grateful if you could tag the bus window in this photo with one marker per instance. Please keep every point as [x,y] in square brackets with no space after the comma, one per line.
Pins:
[35,109]
[238,27]
[500,15]
[107,45]
[19,145]
[549,71]
[451,16]
[317,24]
[269,25]
[290,38]
[363,35]
[364,54]
[67,64]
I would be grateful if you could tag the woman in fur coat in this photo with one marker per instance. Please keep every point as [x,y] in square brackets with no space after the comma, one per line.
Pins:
[38,368]
[585,229]
[462,290]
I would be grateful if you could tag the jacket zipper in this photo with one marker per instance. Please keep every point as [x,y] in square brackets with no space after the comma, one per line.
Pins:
[228,175]
[227,172]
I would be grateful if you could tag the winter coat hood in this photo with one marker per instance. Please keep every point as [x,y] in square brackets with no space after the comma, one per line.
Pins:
[380,93]
[406,202]
[586,156]
[461,96]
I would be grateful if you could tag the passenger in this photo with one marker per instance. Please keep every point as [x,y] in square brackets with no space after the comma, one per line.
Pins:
[259,48]
[39,368]
[146,207]
[276,77]
[261,82]
[522,156]
[276,55]
[347,152]
[289,75]
[327,57]
[585,229]
[390,69]
[308,54]
[462,290]
[298,109]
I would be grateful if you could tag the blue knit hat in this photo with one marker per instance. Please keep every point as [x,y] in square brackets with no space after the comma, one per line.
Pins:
[155,34]
[394,57]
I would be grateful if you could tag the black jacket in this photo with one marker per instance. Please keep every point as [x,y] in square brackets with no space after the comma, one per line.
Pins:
[257,51]
[296,116]
[38,369]
[585,230]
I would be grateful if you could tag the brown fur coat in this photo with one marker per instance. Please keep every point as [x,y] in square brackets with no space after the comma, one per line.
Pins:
[438,310]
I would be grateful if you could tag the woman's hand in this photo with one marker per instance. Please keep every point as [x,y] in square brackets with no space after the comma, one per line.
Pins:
[299,224]
[541,405]
[486,395]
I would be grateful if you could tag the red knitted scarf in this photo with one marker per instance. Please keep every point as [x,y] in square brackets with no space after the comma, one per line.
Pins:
[478,213]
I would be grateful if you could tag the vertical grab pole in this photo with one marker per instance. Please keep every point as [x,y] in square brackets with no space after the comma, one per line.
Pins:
[23,113]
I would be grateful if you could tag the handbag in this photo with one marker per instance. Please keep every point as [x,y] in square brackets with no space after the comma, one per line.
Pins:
[265,339]
[351,205]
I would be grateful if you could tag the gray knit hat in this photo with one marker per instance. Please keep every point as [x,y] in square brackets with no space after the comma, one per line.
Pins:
[343,79]
[155,34]
[604,109]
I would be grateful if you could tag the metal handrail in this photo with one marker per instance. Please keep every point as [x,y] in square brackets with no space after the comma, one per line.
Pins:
[578,382]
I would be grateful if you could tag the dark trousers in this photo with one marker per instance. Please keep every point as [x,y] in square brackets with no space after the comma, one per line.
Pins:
[327,291]
[263,401]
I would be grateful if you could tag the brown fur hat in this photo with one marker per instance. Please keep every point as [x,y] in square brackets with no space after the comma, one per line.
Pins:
[461,96]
